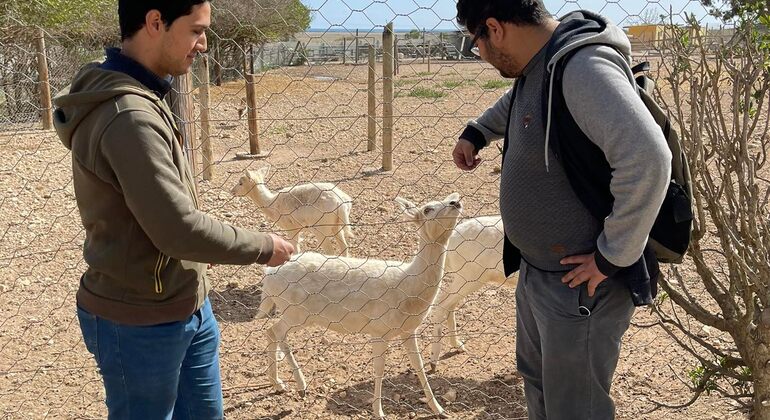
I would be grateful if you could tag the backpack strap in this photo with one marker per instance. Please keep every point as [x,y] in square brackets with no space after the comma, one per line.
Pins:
[642,67]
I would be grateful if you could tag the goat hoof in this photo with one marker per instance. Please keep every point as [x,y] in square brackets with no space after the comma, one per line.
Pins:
[439,410]
[280,387]
[432,368]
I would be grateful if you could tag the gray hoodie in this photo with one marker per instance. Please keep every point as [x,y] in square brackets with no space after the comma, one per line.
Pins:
[542,215]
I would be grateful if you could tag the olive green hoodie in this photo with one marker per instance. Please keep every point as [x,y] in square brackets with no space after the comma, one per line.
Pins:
[147,243]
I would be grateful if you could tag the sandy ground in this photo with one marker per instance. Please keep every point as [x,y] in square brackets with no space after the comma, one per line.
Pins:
[313,124]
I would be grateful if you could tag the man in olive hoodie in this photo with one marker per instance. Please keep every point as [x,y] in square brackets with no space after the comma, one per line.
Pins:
[142,303]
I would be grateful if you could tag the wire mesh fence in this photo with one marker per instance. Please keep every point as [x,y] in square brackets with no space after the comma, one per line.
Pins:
[320,105]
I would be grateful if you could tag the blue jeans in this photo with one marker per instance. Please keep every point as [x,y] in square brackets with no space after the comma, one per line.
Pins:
[158,372]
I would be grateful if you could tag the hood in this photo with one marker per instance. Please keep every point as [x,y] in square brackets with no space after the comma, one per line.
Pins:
[91,87]
[576,30]
[581,28]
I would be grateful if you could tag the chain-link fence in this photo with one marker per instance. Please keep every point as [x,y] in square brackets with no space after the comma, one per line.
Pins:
[317,109]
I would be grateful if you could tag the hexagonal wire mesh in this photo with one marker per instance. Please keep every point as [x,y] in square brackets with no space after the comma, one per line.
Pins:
[309,111]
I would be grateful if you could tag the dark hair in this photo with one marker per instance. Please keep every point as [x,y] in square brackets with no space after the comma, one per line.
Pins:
[132,13]
[474,13]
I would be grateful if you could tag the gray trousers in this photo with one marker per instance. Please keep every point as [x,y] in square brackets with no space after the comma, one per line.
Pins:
[568,344]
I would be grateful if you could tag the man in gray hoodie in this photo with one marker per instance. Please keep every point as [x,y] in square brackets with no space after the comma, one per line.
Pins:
[573,300]
[143,302]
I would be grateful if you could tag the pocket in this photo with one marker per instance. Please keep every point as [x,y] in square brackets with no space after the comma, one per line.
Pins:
[565,300]
[588,304]
[89,328]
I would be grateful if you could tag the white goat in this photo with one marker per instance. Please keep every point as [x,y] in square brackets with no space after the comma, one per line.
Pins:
[386,300]
[320,208]
[474,259]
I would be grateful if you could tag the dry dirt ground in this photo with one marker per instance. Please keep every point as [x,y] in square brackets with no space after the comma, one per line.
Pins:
[313,124]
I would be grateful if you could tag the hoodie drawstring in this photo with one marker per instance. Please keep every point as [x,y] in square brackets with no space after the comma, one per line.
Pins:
[548,120]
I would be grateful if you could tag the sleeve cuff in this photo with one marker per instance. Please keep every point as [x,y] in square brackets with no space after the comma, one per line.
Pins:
[607,268]
[267,250]
[473,135]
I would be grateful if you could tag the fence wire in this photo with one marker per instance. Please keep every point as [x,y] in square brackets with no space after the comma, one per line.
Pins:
[311,119]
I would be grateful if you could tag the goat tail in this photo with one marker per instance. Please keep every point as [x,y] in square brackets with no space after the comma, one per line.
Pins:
[266,307]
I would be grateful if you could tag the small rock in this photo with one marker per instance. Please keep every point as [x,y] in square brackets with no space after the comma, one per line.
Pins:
[450,395]
[396,397]
[509,378]
[228,214]
[289,135]
[343,394]
[412,414]
[497,169]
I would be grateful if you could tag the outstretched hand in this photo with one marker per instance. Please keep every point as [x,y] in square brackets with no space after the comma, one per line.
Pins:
[465,156]
[282,250]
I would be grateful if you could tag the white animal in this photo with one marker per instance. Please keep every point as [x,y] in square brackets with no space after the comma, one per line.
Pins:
[317,207]
[386,300]
[474,259]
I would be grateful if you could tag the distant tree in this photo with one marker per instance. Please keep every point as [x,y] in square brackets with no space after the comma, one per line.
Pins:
[648,17]
[731,9]
[259,21]
[76,22]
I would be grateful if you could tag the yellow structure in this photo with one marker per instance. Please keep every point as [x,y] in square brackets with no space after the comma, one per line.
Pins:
[652,36]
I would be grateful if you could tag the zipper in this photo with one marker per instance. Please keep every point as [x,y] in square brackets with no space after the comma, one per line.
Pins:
[178,134]
[156,274]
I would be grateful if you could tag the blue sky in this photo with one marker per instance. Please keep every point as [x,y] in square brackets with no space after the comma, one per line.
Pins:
[440,14]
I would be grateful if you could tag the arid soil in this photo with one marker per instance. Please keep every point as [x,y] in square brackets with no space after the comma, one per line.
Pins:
[312,122]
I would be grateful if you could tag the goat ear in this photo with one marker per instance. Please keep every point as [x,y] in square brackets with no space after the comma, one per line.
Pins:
[265,170]
[253,175]
[453,197]
[409,208]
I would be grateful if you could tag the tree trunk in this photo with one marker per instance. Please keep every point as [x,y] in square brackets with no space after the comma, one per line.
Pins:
[758,358]
[761,391]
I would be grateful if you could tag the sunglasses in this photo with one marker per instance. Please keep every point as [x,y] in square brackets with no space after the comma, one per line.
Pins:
[480,32]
